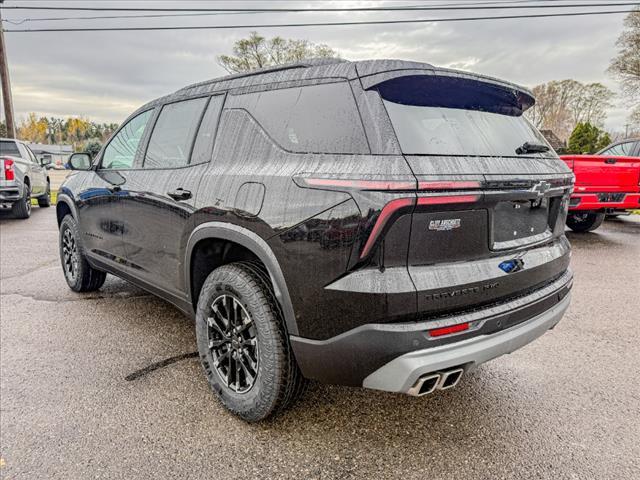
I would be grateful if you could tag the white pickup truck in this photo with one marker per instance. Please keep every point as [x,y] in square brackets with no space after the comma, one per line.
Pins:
[22,177]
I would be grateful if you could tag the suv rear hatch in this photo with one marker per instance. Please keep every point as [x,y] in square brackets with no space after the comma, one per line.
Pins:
[487,223]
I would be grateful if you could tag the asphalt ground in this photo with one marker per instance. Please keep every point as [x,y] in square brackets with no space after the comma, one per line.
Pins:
[81,397]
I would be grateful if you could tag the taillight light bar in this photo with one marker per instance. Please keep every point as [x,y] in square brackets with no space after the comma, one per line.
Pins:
[448,199]
[333,183]
[9,173]
[454,185]
[384,185]
[387,211]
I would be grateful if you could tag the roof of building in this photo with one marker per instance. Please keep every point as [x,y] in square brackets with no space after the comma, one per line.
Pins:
[52,149]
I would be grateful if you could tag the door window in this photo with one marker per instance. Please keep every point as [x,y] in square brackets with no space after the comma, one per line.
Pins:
[32,156]
[174,133]
[622,149]
[121,150]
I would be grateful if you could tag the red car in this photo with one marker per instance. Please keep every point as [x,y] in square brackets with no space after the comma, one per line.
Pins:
[607,182]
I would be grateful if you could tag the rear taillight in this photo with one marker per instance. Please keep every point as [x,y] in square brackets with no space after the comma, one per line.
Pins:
[393,207]
[387,212]
[9,173]
[443,194]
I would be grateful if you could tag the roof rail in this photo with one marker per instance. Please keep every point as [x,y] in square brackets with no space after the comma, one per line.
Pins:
[306,63]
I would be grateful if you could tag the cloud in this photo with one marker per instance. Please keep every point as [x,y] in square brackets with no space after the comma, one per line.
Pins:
[106,75]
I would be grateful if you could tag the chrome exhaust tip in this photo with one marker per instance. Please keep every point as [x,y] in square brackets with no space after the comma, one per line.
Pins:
[450,378]
[425,385]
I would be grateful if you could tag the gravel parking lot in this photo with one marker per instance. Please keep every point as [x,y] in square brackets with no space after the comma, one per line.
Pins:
[77,402]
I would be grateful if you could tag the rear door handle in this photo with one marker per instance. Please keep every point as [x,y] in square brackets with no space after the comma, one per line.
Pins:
[610,161]
[180,194]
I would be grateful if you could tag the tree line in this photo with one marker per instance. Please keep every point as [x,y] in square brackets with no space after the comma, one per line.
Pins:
[76,131]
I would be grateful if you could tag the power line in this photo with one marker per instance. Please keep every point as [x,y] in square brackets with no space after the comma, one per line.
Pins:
[323,24]
[318,10]
[240,12]
[111,17]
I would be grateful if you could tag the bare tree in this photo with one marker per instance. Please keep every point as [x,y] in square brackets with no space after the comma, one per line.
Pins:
[258,52]
[561,105]
[626,65]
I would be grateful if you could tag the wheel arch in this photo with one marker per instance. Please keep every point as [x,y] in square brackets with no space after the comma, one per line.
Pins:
[65,206]
[254,244]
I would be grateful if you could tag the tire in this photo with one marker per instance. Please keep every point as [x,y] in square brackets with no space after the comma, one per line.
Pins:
[80,276]
[45,200]
[22,208]
[253,373]
[584,222]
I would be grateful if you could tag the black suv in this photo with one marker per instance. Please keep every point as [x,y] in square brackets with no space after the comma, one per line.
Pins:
[385,224]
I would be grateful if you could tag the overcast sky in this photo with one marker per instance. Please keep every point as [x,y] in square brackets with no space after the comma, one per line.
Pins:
[106,75]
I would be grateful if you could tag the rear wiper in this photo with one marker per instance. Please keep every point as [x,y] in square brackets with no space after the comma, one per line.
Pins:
[527,147]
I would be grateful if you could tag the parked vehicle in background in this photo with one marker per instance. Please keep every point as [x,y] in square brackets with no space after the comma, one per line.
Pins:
[22,178]
[384,224]
[607,182]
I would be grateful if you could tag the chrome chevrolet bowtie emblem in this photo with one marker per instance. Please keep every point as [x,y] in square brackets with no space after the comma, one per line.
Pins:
[541,188]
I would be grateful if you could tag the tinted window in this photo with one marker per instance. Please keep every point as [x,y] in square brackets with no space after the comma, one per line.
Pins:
[173,134]
[203,146]
[622,149]
[317,118]
[7,147]
[121,150]
[452,131]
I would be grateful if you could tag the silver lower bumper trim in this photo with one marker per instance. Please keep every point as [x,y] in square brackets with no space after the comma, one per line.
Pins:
[401,373]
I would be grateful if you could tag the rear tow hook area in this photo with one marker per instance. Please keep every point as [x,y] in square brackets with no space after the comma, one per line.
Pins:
[431,382]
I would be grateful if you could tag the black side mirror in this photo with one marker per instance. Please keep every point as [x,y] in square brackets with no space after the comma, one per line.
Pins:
[79,161]
[45,162]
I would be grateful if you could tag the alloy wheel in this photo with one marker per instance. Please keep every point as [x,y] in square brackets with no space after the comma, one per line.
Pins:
[70,254]
[233,343]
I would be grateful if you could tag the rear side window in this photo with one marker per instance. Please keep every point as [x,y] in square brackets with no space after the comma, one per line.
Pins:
[315,118]
[622,149]
[7,147]
[203,146]
[173,134]
[121,150]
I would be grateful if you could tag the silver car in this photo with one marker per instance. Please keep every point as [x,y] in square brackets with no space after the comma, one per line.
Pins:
[22,177]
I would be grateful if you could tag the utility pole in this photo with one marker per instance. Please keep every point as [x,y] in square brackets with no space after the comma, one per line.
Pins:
[6,84]
[626,130]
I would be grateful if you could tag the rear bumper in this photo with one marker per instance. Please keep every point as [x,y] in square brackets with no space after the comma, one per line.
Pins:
[390,356]
[602,199]
[10,192]
[402,373]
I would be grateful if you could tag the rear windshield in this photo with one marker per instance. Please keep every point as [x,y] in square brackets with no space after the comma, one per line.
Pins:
[446,116]
[8,147]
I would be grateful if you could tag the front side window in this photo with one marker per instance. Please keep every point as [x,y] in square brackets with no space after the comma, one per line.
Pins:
[121,150]
[444,116]
[622,149]
[312,119]
[173,135]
